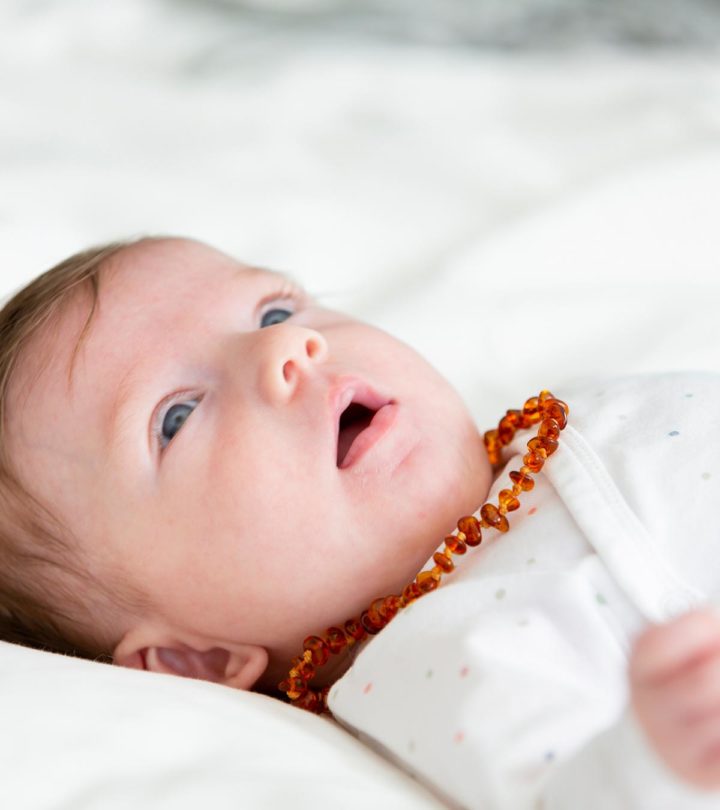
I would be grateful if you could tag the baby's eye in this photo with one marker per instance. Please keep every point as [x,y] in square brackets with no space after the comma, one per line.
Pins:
[174,419]
[275,315]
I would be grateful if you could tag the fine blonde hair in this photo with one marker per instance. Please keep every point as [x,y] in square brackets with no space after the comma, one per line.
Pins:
[46,596]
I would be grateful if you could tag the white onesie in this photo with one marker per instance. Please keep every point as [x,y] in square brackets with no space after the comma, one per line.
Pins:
[506,687]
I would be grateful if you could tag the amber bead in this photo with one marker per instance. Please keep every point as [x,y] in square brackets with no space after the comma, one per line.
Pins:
[336,639]
[426,582]
[368,624]
[553,408]
[306,671]
[493,446]
[549,428]
[392,606]
[522,480]
[533,461]
[531,410]
[491,515]
[515,418]
[548,444]
[375,611]
[508,501]
[384,609]
[411,592]
[310,701]
[443,562]
[318,650]
[354,630]
[294,685]
[455,544]
[544,396]
[470,527]
[535,446]
[506,431]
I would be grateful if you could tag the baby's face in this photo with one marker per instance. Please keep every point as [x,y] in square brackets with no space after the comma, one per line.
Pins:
[196,451]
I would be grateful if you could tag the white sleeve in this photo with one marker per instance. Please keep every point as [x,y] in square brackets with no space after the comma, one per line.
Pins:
[619,769]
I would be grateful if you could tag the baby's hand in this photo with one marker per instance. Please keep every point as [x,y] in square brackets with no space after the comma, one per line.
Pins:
[675,691]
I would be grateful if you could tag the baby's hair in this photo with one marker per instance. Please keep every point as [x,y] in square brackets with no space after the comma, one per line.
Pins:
[41,603]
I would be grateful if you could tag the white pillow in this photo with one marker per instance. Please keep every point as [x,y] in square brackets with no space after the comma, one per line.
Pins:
[79,734]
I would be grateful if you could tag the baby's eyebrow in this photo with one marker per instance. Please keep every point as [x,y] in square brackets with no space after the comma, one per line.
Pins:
[284,275]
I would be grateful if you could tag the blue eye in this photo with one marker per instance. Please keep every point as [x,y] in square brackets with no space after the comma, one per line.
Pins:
[273,316]
[174,419]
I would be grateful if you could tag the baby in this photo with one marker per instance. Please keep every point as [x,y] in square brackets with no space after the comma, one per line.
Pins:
[190,484]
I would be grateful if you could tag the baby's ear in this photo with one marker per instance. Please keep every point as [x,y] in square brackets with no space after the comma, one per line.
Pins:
[239,666]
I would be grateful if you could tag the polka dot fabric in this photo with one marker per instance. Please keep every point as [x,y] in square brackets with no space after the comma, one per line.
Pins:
[496,689]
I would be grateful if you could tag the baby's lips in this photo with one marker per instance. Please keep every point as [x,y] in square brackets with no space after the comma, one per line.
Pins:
[346,390]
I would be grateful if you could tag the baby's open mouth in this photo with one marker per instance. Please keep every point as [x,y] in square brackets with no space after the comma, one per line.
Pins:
[353,420]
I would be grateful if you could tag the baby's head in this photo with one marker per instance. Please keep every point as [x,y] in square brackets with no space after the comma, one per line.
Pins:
[177,487]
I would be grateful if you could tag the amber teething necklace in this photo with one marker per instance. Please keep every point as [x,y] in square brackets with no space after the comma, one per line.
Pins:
[552,414]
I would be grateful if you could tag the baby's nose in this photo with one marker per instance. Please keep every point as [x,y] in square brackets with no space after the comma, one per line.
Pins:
[290,353]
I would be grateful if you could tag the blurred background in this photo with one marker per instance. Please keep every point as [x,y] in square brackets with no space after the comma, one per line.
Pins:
[527,188]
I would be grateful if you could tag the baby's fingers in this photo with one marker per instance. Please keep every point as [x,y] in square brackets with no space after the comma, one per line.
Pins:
[664,651]
[675,692]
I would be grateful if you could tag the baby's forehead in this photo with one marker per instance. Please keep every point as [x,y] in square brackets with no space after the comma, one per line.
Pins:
[134,277]
[183,256]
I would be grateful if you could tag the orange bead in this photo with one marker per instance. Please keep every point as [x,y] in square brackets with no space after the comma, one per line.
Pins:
[550,428]
[508,501]
[426,582]
[410,593]
[383,609]
[455,544]
[318,649]
[534,462]
[368,624]
[443,562]
[354,630]
[544,396]
[335,639]
[376,613]
[306,671]
[522,480]
[553,409]
[514,418]
[491,515]
[294,686]
[491,438]
[548,444]
[470,527]
[506,431]
[310,701]
[531,410]
[391,606]
[535,446]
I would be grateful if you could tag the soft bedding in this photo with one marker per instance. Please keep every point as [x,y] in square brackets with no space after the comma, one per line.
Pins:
[524,222]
